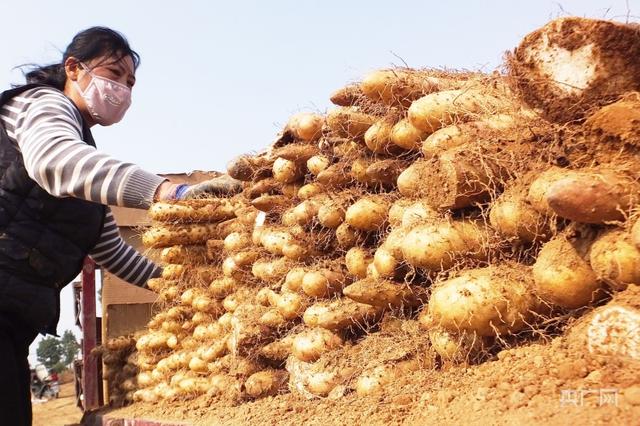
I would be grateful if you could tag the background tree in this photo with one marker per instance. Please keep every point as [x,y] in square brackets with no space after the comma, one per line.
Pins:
[70,347]
[50,352]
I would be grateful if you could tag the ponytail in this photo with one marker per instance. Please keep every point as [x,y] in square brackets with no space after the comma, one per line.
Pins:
[51,75]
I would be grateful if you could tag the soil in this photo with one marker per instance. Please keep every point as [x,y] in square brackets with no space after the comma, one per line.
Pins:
[548,381]
[60,411]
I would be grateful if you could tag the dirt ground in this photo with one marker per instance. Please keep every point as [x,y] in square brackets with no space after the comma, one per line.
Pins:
[549,381]
[58,412]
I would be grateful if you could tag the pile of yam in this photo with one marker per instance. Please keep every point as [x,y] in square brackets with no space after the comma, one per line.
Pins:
[119,369]
[428,219]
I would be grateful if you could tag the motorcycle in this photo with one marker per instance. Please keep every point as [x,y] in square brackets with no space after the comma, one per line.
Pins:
[44,385]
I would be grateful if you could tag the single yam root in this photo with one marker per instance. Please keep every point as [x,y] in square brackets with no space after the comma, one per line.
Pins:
[385,293]
[620,120]
[458,178]
[572,65]
[615,259]
[488,301]
[398,87]
[593,196]
[563,277]
[214,210]
[340,314]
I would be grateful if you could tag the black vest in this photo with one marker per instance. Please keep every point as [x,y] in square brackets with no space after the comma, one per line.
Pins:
[43,239]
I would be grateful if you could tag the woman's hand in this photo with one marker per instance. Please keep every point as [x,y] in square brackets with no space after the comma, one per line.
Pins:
[221,185]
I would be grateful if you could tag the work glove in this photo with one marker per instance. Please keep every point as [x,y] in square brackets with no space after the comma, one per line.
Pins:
[221,185]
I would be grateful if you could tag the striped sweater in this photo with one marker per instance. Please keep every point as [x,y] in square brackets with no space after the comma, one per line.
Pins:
[46,127]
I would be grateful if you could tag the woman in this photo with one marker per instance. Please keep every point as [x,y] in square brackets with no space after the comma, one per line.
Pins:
[54,189]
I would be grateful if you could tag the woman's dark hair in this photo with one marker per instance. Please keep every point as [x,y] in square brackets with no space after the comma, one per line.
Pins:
[89,44]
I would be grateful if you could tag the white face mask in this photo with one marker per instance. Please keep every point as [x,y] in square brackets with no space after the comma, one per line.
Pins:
[106,100]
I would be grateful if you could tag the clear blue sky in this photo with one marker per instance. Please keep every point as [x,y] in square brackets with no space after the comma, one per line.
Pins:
[220,78]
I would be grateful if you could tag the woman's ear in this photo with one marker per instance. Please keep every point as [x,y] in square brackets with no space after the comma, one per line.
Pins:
[72,68]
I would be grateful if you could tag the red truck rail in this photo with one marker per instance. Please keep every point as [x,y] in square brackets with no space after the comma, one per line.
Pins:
[88,369]
[88,321]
